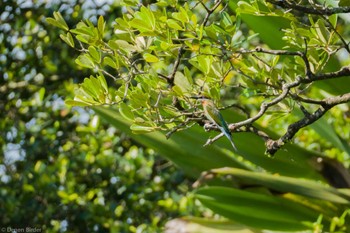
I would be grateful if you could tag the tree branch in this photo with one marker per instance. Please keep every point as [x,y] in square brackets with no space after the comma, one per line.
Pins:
[310,10]
[274,145]
[308,71]
[265,106]
[209,11]
[171,77]
[345,71]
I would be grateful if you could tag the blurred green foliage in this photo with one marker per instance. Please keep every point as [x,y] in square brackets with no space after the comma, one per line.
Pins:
[61,169]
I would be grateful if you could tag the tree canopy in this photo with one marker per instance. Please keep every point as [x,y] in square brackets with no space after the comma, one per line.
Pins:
[62,169]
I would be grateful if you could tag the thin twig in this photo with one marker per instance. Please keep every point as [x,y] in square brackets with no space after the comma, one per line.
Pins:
[310,10]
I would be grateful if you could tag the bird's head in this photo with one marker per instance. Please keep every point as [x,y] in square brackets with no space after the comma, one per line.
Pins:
[204,100]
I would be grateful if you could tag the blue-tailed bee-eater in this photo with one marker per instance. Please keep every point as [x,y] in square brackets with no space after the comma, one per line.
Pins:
[213,114]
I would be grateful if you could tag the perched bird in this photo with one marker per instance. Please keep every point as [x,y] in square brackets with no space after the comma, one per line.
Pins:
[213,114]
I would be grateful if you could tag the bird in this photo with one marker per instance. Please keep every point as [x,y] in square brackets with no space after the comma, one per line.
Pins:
[212,113]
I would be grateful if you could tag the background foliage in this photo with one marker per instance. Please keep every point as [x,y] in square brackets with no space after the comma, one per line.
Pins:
[62,169]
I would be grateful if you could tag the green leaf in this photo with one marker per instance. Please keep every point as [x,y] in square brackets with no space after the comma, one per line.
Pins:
[141,129]
[173,24]
[57,15]
[182,82]
[182,15]
[257,210]
[269,28]
[178,146]
[141,25]
[85,61]
[177,90]
[110,62]
[188,75]
[94,54]
[333,19]
[53,22]
[101,25]
[327,132]
[226,20]
[150,58]
[68,39]
[103,83]
[204,63]
[76,103]
[58,21]
[283,184]
[122,45]
[144,20]
[126,112]
[321,32]
[294,161]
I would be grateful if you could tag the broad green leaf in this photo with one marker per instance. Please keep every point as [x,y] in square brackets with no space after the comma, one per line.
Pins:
[321,32]
[293,161]
[268,27]
[180,147]
[327,132]
[91,87]
[278,183]
[188,75]
[257,210]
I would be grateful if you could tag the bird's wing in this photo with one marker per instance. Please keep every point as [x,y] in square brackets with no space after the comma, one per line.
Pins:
[224,124]
[213,114]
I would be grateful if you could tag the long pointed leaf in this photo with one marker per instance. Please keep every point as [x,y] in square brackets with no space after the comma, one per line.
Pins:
[287,184]
[183,148]
[257,210]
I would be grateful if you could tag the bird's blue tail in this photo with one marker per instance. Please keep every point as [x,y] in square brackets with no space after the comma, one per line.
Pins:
[227,133]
